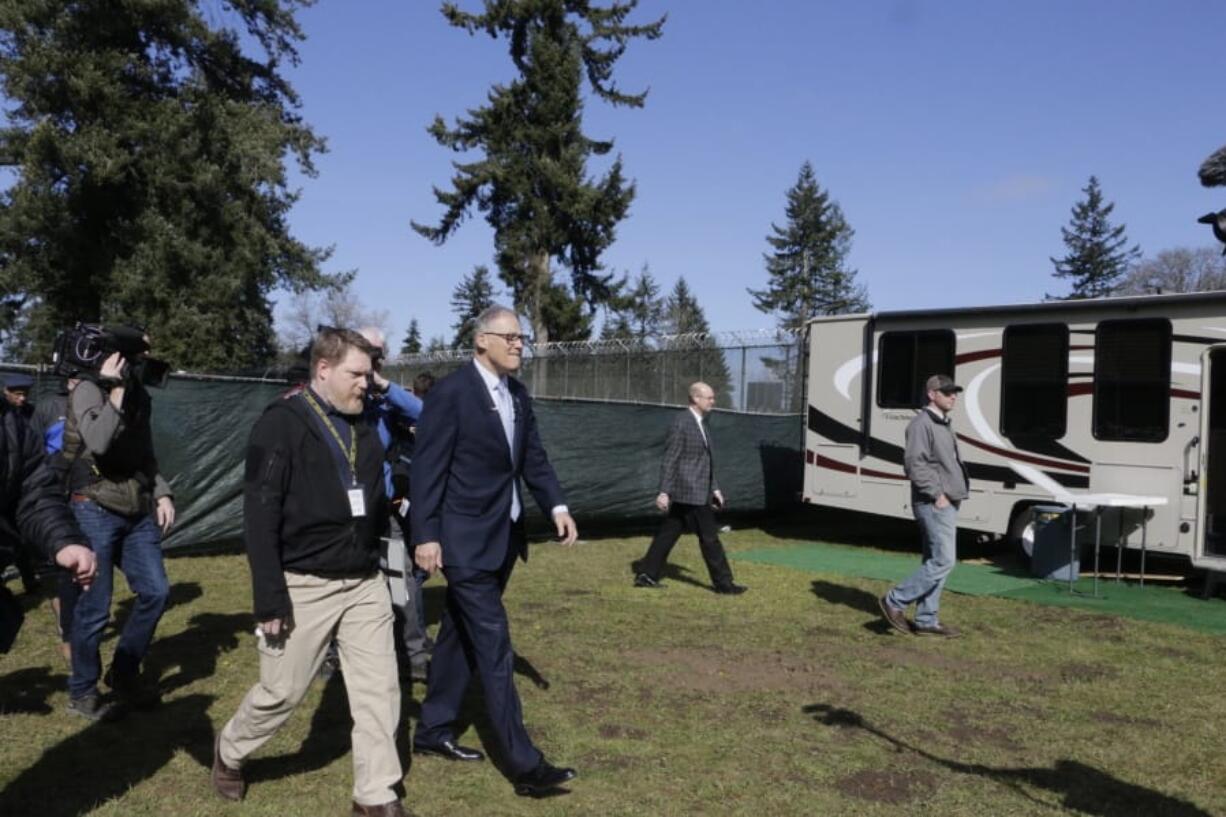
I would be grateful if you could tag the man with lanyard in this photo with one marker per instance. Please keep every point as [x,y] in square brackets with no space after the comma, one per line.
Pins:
[313,510]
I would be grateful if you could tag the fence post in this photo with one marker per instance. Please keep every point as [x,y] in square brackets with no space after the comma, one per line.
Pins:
[744,382]
[626,396]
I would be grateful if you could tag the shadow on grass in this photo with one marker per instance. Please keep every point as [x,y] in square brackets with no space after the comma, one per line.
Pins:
[1084,788]
[194,651]
[859,600]
[327,739]
[105,760]
[27,690]
[180,593]
[853,597]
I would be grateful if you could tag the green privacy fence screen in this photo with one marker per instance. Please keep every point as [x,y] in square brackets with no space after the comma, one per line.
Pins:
[606,454]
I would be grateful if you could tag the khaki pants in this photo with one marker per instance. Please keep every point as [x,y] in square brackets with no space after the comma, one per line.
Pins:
[359,612]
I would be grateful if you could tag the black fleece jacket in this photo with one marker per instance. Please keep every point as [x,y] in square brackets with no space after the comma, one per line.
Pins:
[296,512]
[33,508]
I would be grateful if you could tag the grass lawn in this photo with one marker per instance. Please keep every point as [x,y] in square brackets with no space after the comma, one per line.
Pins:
[789,700]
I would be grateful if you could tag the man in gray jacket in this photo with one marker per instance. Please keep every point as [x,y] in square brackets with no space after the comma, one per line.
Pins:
[689,494]
[939,483]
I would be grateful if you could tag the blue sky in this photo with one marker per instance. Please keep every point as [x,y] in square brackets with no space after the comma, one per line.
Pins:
[955,135]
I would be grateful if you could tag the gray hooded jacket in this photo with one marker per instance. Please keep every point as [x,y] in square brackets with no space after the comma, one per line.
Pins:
[932,461]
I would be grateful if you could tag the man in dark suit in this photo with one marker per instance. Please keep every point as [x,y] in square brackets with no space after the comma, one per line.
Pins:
[476,440]
[689,495]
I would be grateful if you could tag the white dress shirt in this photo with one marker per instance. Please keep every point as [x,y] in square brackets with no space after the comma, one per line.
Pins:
[498,388]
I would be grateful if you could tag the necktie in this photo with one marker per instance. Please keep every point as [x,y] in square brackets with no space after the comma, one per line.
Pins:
[506,412]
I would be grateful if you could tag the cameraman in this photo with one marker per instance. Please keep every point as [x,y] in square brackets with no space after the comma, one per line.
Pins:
[124,507]
[33,511]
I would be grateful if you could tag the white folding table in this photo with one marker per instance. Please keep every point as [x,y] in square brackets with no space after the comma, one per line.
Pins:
[1097,502]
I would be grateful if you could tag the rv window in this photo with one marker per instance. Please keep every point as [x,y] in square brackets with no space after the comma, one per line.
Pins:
[1034,381]
[906,360]
[1132,380]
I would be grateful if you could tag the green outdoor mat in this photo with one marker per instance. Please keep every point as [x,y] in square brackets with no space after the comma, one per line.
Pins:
[1165,605]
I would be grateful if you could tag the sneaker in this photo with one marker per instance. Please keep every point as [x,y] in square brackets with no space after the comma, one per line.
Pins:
[330,667]
[93,708]
[643,580]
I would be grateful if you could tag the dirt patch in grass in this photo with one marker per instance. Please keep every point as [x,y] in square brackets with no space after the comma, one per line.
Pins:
[599,761]
[612,731]
[965,728]
[879,786]
[717,670]
[957,666]
[1117,719]
[585,692]
[1078,673]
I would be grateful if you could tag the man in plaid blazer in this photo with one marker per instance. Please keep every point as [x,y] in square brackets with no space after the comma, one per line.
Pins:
[689,495]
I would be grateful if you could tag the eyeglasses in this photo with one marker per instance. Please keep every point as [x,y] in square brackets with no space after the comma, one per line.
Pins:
[512,337]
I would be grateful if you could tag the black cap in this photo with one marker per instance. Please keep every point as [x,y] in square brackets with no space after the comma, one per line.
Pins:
[942,383]
[17,381]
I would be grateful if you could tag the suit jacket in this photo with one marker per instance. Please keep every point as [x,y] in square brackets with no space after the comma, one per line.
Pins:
[687,474]
[463,470]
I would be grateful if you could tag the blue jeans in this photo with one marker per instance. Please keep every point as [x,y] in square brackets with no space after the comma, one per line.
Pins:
[939,530]
[134,545]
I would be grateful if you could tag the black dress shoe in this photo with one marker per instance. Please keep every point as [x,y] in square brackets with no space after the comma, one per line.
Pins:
[542,779]
[643,580]
[448,749]
[732,589]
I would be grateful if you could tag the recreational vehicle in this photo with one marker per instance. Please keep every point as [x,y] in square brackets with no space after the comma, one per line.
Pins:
[1062,400]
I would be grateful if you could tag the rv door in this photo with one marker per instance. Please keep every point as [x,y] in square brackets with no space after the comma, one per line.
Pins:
[1209,549]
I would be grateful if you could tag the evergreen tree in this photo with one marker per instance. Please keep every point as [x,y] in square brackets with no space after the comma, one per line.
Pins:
[1213,170]
[1098,254]
[412,340]
[563,316]
[438,343]
[697,357]
[807,266]
[472,296]
[531,182]
[148,144]
[636,313]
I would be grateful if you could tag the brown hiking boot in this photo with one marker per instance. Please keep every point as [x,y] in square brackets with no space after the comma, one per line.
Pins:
[935,629]
[227,782]
[895,617]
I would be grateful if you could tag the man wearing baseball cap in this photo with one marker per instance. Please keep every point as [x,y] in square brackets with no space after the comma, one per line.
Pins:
[939,483]
[17,392]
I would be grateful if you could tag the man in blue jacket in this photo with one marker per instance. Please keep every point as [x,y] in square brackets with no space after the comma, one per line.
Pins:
[477,439]
[393,409]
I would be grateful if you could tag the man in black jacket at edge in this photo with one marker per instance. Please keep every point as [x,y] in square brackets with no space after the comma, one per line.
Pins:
[313,507]
[33,510]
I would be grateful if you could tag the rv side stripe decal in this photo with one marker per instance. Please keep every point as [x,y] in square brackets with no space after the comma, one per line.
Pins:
[826,426]
[1015,455]
[1078,389]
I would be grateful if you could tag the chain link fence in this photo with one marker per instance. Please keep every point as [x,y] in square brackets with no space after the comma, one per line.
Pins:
[758,372]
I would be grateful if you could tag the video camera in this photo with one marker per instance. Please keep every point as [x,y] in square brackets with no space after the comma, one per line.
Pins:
[81,351]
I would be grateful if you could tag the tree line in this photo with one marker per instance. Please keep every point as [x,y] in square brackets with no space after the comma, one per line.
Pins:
[148,145]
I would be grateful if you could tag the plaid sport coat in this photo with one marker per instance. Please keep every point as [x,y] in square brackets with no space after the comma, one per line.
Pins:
[687,473]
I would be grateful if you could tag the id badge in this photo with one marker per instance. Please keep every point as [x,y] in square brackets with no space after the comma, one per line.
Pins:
[357,502]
